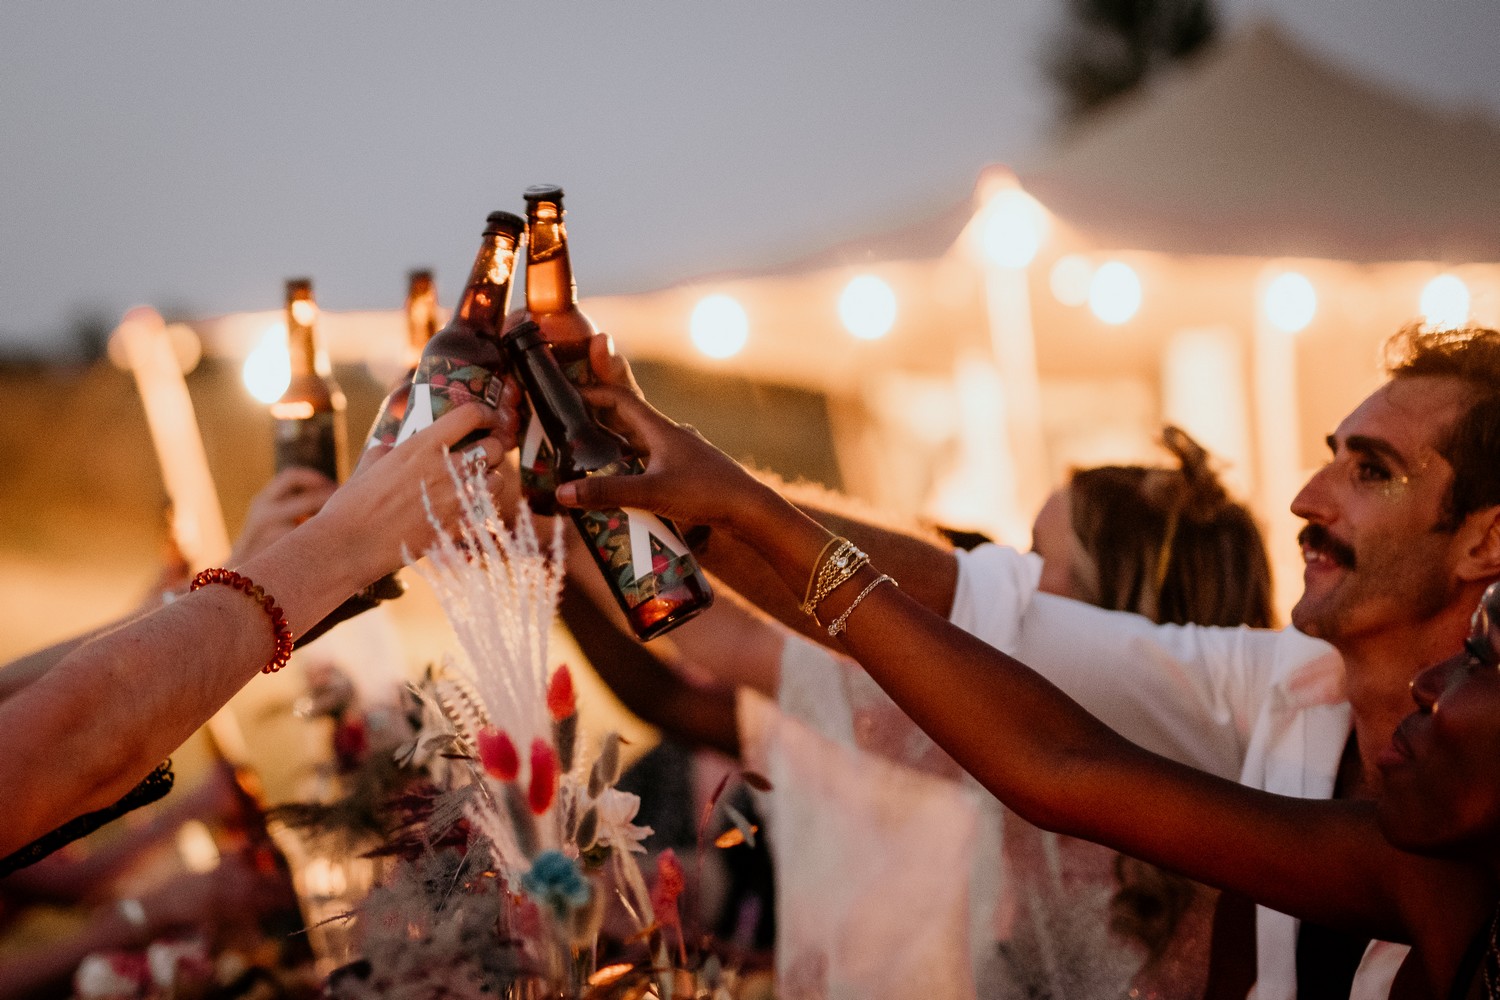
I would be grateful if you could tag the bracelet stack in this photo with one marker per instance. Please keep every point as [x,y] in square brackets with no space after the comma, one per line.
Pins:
[282,631]
[831,572]
[836,565]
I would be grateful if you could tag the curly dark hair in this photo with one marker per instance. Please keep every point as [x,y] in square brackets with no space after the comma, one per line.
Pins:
[1471,445]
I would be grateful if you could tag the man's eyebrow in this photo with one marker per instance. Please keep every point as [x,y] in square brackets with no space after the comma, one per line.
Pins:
[1379,447]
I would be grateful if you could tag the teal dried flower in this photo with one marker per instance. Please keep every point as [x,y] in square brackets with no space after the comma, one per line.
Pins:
[556,883]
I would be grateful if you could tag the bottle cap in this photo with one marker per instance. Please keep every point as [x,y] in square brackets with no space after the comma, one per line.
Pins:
[544,192]
[522,337]
[505,222]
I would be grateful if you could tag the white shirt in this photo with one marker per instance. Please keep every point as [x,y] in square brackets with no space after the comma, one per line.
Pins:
[1265,707]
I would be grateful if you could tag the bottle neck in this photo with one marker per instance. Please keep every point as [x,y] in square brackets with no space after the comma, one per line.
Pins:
[421,320]
[302,338]
[487,295]
[550,287]
[583,446]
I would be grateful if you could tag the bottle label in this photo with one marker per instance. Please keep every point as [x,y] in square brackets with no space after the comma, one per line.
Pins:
[644,556]
[538,478]
[443,383]
[311,442]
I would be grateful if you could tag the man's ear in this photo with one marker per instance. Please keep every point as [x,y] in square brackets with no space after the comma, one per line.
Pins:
[1479,543]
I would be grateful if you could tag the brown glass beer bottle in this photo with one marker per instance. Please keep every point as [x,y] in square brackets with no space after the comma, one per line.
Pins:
[421,324]
[463,361]
[309,416]
[647,565]
[552,304]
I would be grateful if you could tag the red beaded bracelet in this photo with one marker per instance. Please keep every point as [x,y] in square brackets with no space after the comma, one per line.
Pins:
[245,585]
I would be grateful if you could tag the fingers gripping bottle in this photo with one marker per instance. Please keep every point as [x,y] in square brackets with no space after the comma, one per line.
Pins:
[552,304]
[647,565]
[309,416]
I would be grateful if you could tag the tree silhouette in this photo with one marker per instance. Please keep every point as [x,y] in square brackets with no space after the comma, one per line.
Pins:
[1108,47]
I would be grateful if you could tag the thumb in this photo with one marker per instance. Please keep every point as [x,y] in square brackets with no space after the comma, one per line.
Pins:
[605,492]
[609,365]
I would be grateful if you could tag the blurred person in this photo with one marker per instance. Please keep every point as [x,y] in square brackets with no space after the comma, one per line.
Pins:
[1402,535]
[1420,865]
[78,733]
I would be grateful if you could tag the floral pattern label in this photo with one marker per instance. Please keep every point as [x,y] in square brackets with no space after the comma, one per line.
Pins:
[443,383]
[643,556]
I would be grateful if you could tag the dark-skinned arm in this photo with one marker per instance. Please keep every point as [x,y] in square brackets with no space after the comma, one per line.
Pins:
[1020,736]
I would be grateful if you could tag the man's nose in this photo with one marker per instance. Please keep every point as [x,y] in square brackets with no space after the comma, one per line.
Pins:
[1313,502]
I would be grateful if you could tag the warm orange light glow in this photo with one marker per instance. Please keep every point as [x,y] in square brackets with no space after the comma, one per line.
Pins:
[304,312]
[1291,302]
[719,326]
[268,370]
[1115,293]
[867,307]
[1445,302]
[295,409]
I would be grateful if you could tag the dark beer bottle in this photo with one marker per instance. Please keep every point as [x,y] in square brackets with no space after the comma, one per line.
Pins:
[647,565]
[421,324]
[309,416]
[463,361]
[552,304]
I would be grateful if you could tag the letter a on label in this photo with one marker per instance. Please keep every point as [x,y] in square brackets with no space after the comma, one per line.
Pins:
[643,527]
[418,411]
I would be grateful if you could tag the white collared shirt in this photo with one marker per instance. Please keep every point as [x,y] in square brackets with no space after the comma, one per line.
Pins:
[1261,706]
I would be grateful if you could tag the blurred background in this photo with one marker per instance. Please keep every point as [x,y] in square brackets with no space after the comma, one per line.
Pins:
[929,256]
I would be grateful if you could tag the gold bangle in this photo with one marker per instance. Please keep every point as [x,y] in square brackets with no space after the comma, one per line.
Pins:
[837,625]
[812,577]
[839,567]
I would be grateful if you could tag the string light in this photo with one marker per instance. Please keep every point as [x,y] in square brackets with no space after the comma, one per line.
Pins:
[867,307]
[719,326]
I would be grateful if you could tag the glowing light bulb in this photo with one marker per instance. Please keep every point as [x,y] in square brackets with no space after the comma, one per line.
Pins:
[1445,302]
[1070,279]
[1115,293]
[1291,302]
[268,369]
[719,326]
[304,312]
[867,307]
[1013,229]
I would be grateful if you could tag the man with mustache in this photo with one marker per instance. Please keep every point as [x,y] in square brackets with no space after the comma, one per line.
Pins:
[1402,537]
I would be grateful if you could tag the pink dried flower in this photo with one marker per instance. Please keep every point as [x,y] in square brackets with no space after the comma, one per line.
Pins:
[544,773]
[498,754]
[561,699]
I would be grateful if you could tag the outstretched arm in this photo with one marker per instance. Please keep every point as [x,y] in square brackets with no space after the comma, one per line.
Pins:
[1021,737]
[923,560]
[79,736]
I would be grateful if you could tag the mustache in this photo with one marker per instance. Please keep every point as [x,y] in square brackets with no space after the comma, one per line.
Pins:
[1321,540]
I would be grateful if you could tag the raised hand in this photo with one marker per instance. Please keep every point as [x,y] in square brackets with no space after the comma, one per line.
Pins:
[292,496]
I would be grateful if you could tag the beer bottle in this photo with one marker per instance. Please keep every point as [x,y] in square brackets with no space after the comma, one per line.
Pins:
[421,324]
[552,304]
[647,565]
[463,360]
[309,416]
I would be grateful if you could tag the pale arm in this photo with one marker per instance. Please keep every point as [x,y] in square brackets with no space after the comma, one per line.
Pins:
[82,734]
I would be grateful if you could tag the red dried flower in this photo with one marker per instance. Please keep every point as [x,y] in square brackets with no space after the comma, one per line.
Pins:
[498,754]
[670,881]
[544,773]
[561,699]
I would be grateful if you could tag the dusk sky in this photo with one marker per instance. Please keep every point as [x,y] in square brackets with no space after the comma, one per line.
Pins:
[193,155]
